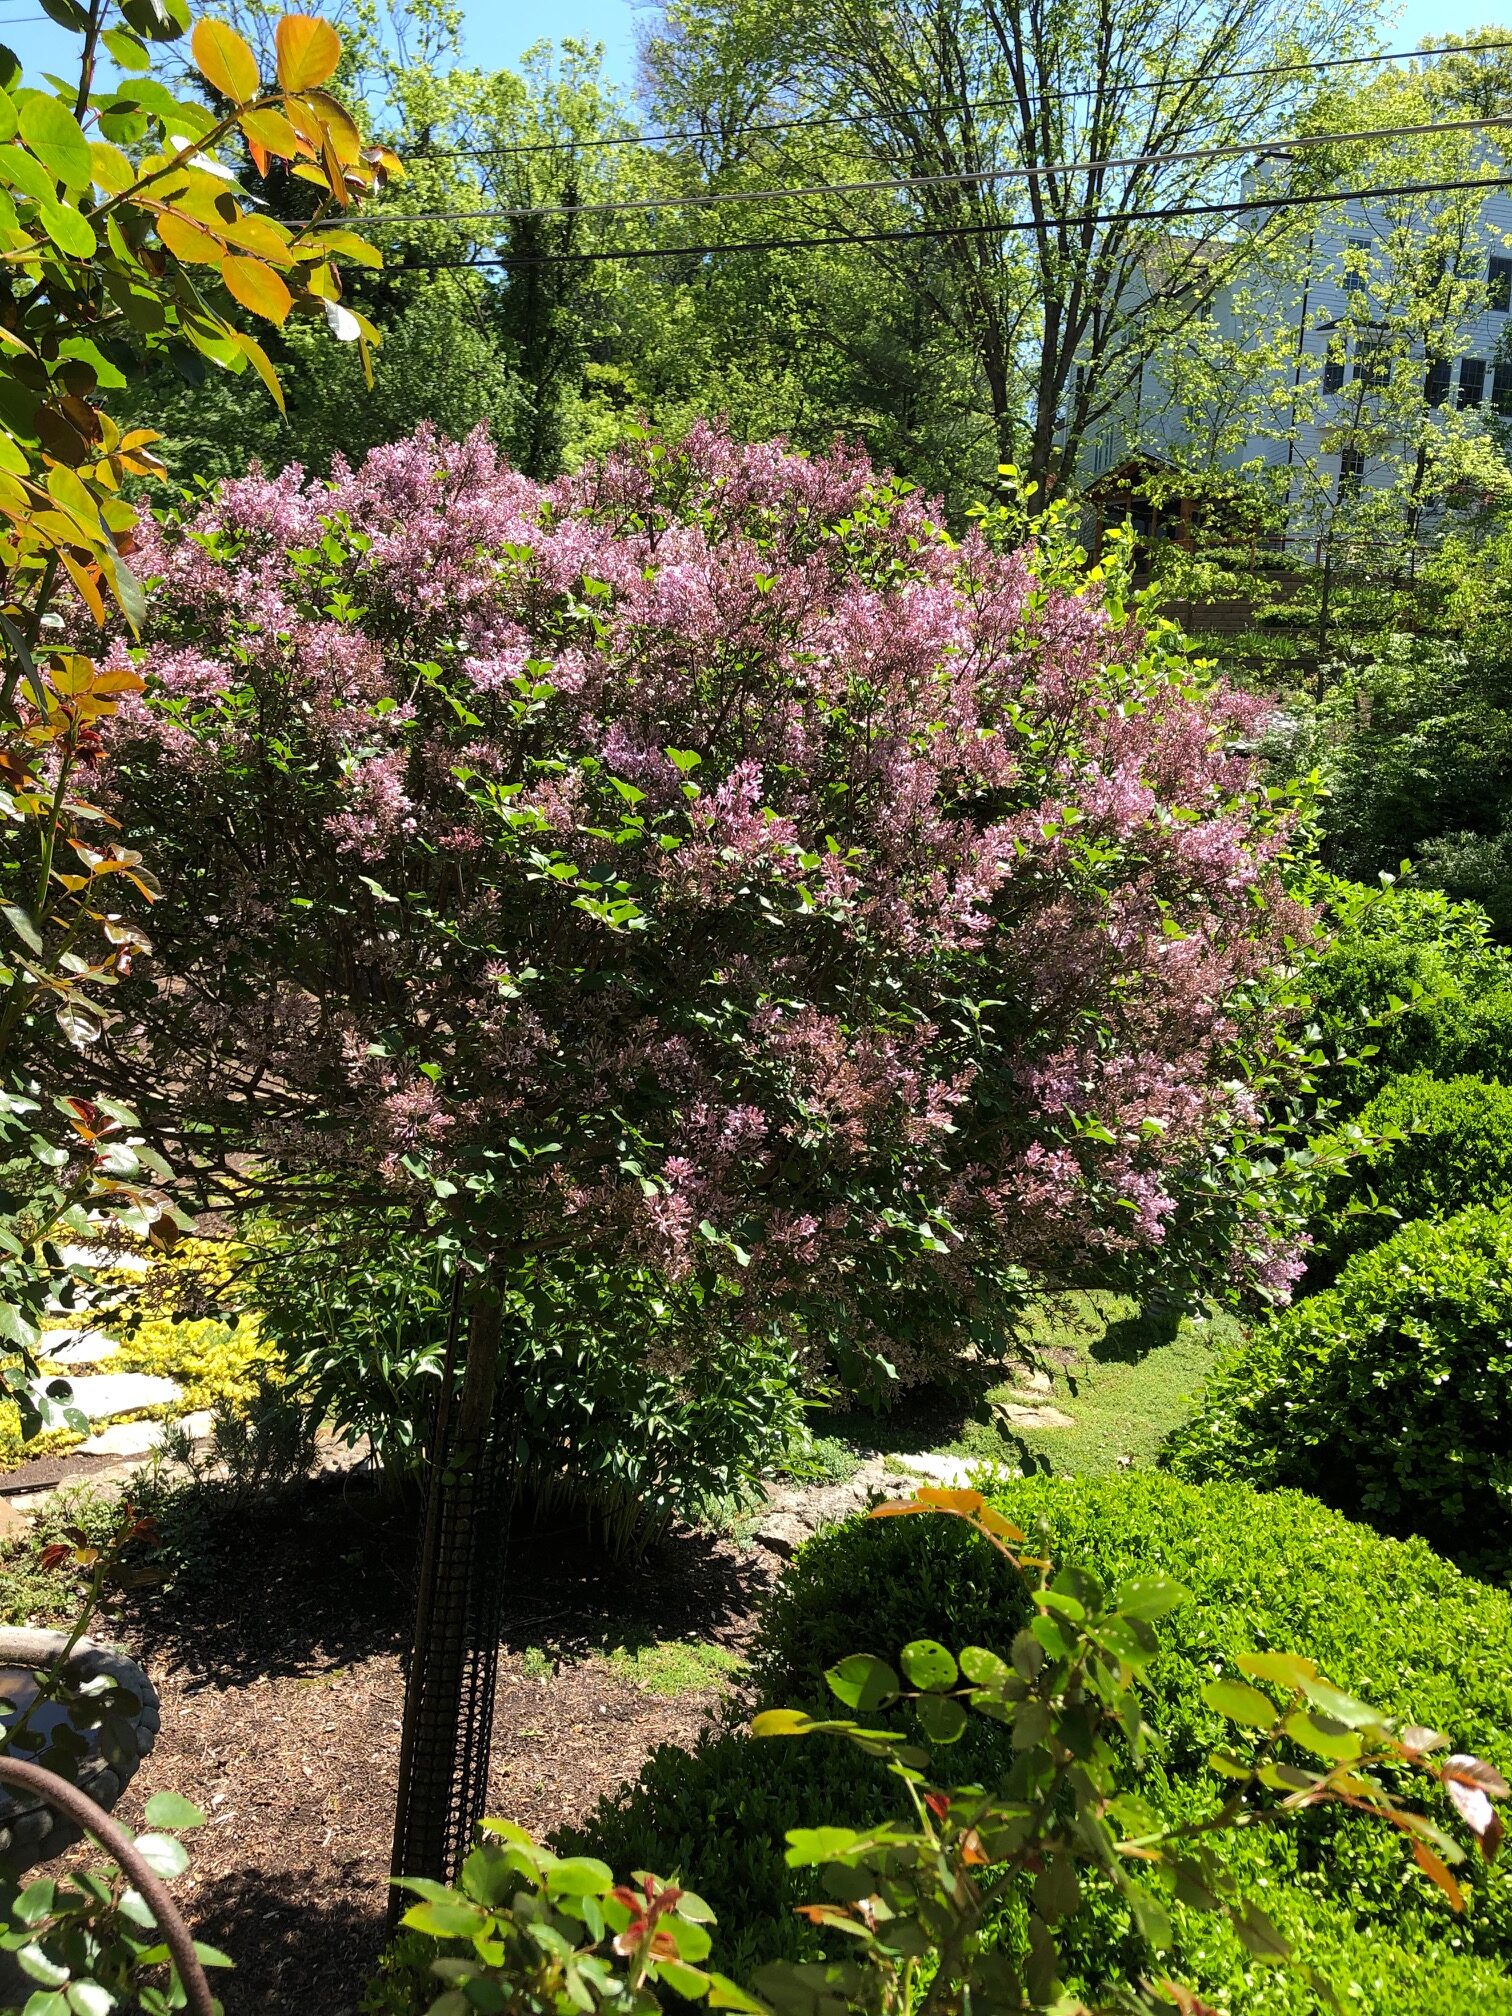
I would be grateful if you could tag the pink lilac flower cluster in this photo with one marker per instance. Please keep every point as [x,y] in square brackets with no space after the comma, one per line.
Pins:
[710,861]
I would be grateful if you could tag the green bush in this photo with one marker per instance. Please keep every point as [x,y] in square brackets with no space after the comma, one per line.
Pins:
[637,1402]
[1455,1149]
[1388,1395]
[1388,1620]
[1408,980]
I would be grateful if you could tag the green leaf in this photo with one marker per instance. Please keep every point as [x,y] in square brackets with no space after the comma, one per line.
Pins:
[1150,1915]
[40,1966]
[1343,1707]
[1260,1937]
[863,1683]
[1149,1596]
[685,1981]
[70,232]
[127,49]
[53,134]
[985,1668]
[89,1998]
[941,1717]
[727,1994]
[172,1809]
[22,925]
[928,1665]
[452,1920]
[1282,1669]
[809,1846]
[24,172]
[1240,1703]
[782,1722]
[579,1876]
[163,1855]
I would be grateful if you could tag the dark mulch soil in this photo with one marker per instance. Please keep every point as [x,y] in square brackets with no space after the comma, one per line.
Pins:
[279,1666]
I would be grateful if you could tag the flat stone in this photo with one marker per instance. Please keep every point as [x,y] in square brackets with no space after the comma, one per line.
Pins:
[96,1256]
[100,1396]
[199,1426]
[783,1532]
[77,1347]
[124,1438]
[954,1473]
[1028,1381]
[1034,1417]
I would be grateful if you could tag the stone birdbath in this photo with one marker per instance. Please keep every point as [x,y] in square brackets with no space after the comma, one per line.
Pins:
[97,1725]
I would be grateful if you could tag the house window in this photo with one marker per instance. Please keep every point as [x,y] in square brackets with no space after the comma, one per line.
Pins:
[1351,470]
[1354,279]
[1472,380]
[1333,374]
[1499,285]
[1436,384]
[1373,359]
[1501,391]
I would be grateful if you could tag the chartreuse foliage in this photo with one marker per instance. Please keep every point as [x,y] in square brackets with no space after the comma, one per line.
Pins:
[1388,1621]
[970,1894]
[1389,1394]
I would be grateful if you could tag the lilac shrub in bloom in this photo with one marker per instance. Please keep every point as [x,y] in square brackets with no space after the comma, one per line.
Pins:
[703,862]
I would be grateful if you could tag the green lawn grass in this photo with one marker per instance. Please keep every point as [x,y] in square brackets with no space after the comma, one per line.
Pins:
[1125,1377]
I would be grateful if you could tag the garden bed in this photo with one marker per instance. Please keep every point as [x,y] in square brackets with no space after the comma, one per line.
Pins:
[278,1660]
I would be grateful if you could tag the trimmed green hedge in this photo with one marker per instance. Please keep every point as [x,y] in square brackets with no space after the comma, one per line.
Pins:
[1387,1620]
[1455,1150]
[1389,1395]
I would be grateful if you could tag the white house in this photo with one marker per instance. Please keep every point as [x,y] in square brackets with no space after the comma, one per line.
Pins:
[1331,361]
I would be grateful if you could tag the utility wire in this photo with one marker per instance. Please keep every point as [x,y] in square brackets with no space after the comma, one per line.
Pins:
[956,105]
[1228,152]
[936,230]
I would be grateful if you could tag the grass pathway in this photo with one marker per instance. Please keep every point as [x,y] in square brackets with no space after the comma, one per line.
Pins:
[1124,1379]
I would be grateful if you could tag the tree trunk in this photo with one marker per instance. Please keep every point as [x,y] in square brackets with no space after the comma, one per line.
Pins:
[449,1694]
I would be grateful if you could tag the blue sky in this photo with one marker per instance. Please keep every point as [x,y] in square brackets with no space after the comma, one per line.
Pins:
[496,32]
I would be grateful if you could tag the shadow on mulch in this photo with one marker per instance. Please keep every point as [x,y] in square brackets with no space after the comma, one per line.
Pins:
[294,1953]
[278,1652]
[324,1578]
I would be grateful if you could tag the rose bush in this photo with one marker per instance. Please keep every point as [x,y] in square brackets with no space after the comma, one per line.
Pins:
[702,861]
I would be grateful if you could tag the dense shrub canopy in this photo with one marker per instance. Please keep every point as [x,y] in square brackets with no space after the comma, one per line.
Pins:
[1387,1620]
[1445,1143]
[704,860]
[1408,979]
[1389,1395]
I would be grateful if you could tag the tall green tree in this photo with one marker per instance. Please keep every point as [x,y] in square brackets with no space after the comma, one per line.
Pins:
[1059,284]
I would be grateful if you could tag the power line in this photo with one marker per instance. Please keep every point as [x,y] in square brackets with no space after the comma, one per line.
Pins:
[955,105]
[1171,215]
[1229,151]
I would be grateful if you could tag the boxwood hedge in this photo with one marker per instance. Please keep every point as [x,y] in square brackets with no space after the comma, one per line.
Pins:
[1453,1148]
[1387,1620]
[1389,1395]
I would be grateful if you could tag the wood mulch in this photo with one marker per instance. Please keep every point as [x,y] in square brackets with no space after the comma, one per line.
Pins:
[279,1667]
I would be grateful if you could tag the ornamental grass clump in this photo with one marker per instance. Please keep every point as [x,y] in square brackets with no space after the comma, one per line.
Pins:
[704,864]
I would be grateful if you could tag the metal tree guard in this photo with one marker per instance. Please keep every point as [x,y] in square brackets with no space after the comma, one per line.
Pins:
[449,1694]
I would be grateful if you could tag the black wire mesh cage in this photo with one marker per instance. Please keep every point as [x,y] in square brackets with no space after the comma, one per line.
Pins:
[449,1695]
